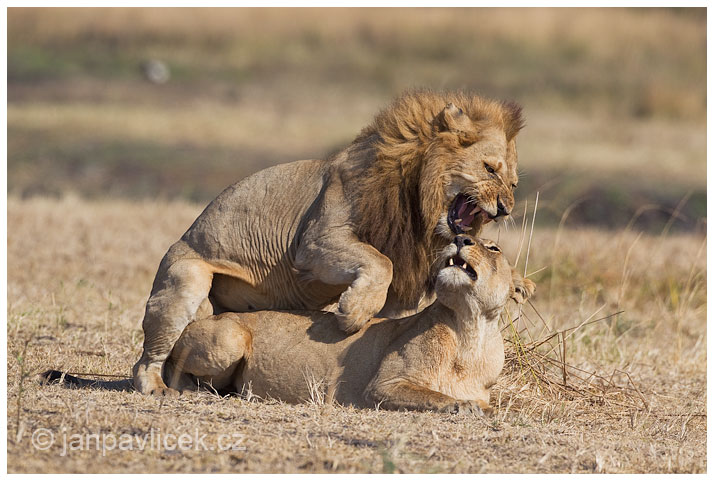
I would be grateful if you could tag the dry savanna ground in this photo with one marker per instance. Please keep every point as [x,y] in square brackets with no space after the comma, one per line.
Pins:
[606,368]
[632,399]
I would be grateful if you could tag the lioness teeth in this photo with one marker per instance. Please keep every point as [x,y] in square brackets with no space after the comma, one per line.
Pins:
[451,262]
[466,228]
[457,221]
[464,266]
[474,211]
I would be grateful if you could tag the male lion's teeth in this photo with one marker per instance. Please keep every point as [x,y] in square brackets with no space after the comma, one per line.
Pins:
[451,262]
[466,228]
[475,210]
[457,221]
[464,266]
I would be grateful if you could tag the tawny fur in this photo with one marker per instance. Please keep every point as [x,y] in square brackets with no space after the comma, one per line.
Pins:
[355,234]
[444,358]
[403,185]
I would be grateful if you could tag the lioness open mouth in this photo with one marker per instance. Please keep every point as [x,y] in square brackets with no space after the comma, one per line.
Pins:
[460,263]
[462,214]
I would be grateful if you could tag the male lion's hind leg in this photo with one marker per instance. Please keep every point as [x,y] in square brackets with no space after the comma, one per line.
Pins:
[182,283]
[210,349]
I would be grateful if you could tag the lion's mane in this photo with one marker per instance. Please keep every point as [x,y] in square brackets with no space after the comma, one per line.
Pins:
[400,196]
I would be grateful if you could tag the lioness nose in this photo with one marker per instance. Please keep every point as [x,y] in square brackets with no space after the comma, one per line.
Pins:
[462,241]
[501,209]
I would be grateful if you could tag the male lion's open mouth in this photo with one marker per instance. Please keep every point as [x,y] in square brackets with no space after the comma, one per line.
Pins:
[460,263]
[462,214]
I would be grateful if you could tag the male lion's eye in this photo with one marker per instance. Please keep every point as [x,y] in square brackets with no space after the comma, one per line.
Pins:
[489,168]
[513,186]
[493,248]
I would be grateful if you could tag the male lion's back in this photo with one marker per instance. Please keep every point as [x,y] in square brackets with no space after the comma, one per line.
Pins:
[248,233]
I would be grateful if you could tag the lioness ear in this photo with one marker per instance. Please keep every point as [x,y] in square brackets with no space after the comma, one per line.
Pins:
[453,119]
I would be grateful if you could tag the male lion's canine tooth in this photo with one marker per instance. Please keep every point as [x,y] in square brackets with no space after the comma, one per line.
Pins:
[476,209]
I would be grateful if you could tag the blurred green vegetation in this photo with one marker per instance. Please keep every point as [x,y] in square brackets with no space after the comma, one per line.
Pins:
[615,99]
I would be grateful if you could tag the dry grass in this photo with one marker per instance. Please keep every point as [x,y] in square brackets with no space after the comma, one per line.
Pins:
[79,274]
[615,103]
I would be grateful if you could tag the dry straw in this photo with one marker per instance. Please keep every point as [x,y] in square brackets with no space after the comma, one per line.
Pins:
[536,373]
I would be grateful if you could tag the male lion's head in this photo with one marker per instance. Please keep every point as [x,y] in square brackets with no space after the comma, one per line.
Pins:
[436,165]
[470,170]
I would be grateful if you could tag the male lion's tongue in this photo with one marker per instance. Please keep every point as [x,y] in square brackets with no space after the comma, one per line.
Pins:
[463,213]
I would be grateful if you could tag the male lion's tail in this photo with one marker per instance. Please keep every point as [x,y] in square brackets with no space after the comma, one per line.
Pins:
[69,380]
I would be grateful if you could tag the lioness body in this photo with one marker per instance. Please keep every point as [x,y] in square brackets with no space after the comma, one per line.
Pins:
[443,358]
[357,231]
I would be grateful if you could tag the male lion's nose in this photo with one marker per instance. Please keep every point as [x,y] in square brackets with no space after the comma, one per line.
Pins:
[501,209]
[462,241]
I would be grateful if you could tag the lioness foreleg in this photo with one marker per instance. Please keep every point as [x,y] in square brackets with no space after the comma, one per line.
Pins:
[412,397]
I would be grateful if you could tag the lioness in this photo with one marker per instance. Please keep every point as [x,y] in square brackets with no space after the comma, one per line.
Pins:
[444,358]
[357,231]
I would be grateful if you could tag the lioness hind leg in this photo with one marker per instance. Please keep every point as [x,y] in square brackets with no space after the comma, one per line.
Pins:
[182,283]
[211,349]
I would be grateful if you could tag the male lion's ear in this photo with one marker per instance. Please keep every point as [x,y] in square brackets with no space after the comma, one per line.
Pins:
[514,120]
[453,119]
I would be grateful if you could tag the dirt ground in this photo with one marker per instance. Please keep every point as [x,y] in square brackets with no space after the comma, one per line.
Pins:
[79,274]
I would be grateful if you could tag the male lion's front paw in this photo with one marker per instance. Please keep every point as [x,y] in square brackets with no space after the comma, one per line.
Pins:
[349,323]
[164,392]
[464,407]
[523,290]
[354,311]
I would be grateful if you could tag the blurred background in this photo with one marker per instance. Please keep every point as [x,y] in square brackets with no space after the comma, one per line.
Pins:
[180,103]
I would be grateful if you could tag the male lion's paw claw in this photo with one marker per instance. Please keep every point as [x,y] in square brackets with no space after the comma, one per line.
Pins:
[348,324]
[165,392]
[352,315]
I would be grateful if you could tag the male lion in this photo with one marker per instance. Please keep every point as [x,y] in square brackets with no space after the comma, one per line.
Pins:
[444,358]
[359,229]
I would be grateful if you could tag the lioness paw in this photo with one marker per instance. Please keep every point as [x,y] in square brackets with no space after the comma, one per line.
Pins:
[463,407]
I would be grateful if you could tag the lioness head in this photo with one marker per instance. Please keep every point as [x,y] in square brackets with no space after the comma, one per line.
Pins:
[474,276]
[479,166]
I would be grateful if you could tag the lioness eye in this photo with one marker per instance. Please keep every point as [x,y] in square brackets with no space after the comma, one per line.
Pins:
[493,248]
[513,186]
[489,168]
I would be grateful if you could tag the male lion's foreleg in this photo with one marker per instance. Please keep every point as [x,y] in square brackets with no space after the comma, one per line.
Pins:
[180,287]
[345,260]
[412,397]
